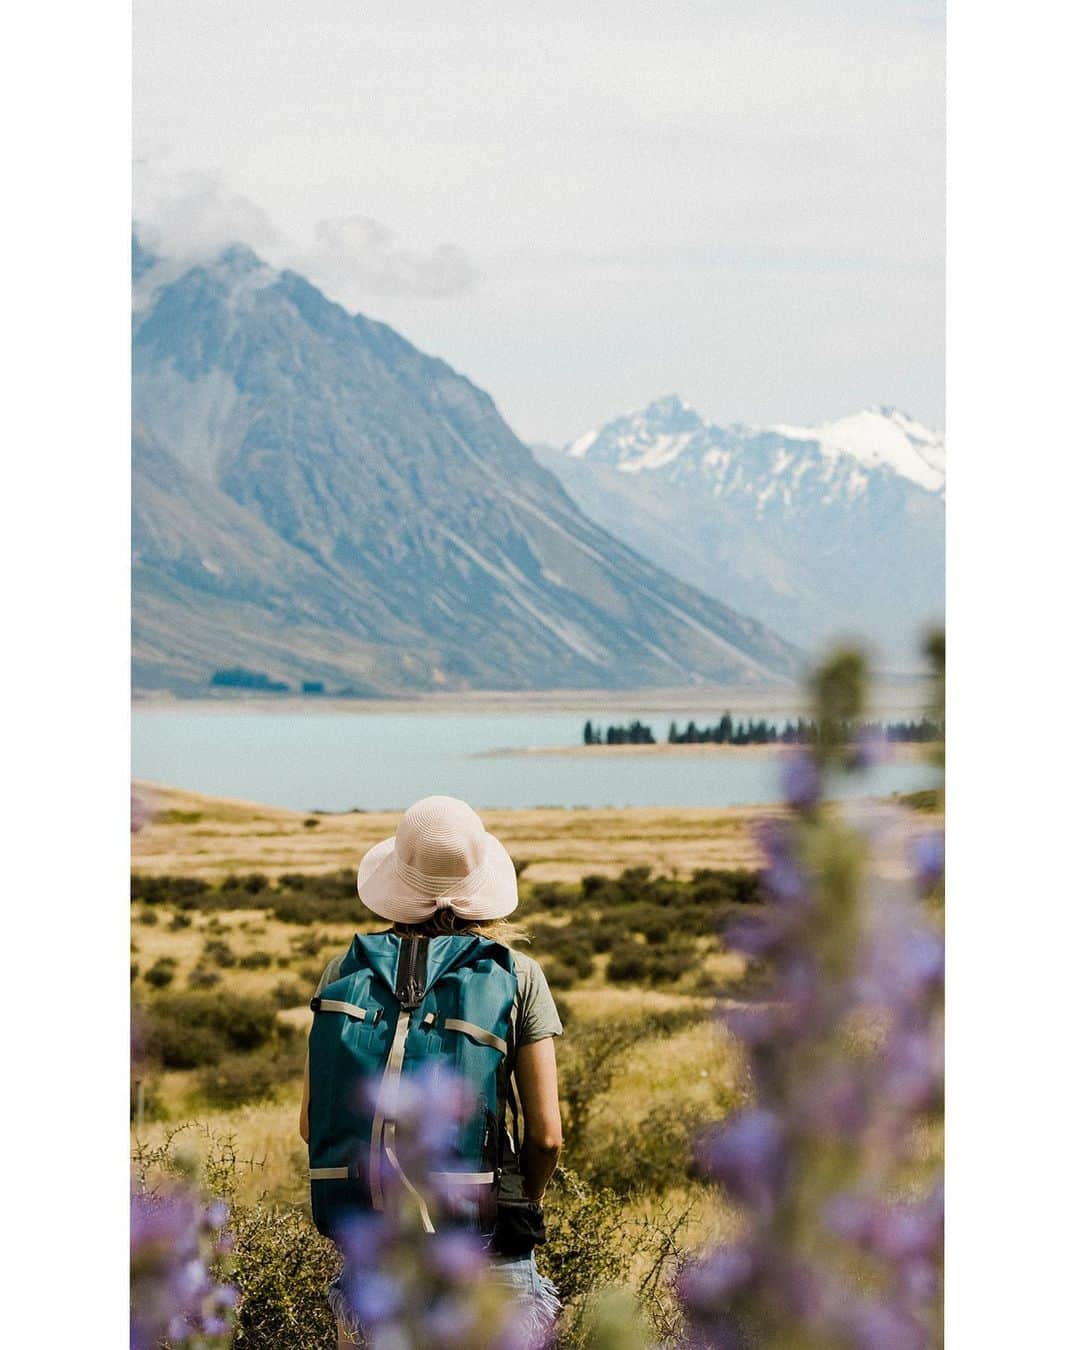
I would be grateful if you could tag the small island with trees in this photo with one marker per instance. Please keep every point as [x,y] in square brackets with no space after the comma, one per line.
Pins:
[726,731]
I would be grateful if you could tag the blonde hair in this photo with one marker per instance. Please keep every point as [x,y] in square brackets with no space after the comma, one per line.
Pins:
[444,923]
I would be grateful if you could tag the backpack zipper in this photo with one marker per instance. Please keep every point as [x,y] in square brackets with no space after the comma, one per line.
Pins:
[412,972]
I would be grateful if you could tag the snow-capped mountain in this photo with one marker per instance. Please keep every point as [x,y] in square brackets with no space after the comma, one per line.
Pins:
[316,499]
[822,532]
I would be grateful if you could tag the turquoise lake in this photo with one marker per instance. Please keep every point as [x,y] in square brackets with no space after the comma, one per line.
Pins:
[383,761]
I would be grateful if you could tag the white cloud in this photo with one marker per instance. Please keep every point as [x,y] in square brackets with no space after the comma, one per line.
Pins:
[743,201]
[357,256]
[195,215]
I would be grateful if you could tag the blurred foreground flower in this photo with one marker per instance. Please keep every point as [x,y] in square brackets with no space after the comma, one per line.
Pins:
[176,1298]
[842,1240]
[402,1287]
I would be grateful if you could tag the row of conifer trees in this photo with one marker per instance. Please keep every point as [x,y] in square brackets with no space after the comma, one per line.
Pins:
[755,732]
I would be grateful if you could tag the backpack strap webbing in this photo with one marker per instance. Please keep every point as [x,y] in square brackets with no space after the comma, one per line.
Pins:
[386,1101]
[477,1033]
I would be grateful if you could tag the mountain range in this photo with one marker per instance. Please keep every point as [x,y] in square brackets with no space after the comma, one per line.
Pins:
[821,532]
[315,500]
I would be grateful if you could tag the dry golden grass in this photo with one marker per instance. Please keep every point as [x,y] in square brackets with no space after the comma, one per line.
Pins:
[698,1068]
[245,931]
[209,837]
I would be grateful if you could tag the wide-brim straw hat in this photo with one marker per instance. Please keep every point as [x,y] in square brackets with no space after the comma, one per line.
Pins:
[440,857]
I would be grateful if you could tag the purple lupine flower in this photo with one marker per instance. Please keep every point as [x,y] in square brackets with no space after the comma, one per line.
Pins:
[844,1055]
[922,963]
[833,1102]
[373,1296]
[456,1256]
[903,1233]
[913,1070]
[800,780]
[799,986]
[920,1281]
[851,1217]
[707,1285]
[399,1283]
[216,1215]
[929,857]
[782,876]
[173,1292]
[746,1153]
[871,748]
[755,934]
[755,1024]
[884,1325]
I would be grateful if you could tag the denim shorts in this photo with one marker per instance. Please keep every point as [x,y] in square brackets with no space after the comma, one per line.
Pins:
[534,1303]
[535,1300]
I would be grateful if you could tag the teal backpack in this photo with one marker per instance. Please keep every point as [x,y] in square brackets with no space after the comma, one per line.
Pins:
[400,1004]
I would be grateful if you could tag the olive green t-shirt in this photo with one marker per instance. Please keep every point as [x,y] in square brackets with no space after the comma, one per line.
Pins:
[533,1016]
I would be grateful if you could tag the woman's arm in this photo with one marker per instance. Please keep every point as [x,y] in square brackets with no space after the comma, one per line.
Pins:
[538,1088]
[305,1100]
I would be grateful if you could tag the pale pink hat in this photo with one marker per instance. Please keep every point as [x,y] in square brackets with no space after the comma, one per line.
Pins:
[440,858]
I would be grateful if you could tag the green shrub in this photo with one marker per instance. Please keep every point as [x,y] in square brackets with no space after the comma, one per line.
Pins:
[559,974]
[180,920]
[627,963]
[239,1079]
[670,963]
[282,1267]
[193,1029]
[327,898]
[161,973]
[280,1263]
[187,1047]
[218,951]
[134,971]
[153,1107]
[184,892]
[148,917]
[589,1059]
[201,978]
[650,1155]
[551,894]
[928,799]
[289,994]
[309,944]
[585,1248]
[255,960]
[599,936]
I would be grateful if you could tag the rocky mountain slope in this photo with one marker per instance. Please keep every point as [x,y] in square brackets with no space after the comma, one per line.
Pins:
[822,532]
[315,499]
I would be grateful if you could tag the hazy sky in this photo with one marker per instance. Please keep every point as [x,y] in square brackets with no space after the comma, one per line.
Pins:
[584,205]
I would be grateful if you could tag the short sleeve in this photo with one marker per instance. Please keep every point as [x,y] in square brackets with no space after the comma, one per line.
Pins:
[538,1017]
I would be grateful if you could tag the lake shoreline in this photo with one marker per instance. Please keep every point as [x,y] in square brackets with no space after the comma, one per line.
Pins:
[907,751]
[902,696]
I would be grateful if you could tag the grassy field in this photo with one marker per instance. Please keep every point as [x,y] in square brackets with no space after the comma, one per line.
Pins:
[209,837]
[238,907]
